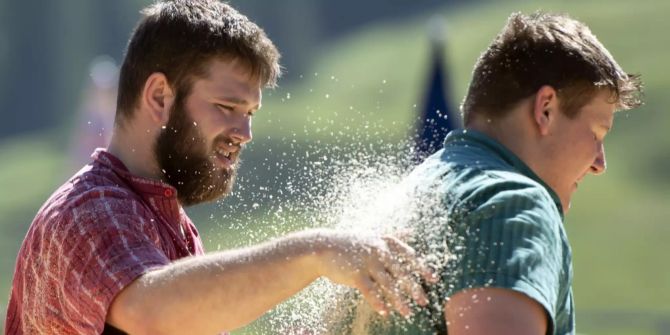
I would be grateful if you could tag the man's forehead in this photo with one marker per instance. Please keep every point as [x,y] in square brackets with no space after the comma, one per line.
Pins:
[221,66]
[601,108]
[605,117]
[230,79]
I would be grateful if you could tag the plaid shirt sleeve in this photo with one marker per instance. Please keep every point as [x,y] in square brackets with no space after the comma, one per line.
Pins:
[82,258]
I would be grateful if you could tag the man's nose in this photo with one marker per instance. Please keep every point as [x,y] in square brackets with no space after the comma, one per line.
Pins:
[599,164]
[242,133]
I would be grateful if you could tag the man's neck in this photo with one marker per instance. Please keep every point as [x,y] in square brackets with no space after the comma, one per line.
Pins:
[513,132]
[133,147]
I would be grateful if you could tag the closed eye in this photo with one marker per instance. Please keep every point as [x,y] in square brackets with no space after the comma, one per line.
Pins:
[225,107]
[604,131]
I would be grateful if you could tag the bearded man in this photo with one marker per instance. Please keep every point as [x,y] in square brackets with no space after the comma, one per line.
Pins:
[112,250]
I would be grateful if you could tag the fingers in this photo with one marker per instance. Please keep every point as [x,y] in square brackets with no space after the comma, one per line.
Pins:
[385,270]
[373,295]
[407,256]
[416,292]
[396,275]
[392,291]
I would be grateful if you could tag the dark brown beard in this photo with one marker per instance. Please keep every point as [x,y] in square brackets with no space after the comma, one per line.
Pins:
[183,155]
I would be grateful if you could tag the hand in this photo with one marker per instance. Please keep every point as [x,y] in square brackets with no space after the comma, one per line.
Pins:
[384,269]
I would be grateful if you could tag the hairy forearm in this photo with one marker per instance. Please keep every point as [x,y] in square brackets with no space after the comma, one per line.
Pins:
[224,290]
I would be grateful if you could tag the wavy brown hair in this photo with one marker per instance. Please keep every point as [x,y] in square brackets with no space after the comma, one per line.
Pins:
[179,37]
[546,49]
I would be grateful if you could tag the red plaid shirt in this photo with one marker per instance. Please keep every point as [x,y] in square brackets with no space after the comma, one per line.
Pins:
[95,235]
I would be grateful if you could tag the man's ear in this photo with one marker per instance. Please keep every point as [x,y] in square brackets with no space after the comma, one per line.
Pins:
[545,108]
[157,97]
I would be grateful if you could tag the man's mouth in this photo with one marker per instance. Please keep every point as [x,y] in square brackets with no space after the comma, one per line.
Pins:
[223,152]
[226,155]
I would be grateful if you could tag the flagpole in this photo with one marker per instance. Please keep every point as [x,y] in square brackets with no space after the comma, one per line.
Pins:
[438,114]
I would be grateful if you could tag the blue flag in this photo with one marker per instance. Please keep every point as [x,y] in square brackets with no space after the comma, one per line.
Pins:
[438,115]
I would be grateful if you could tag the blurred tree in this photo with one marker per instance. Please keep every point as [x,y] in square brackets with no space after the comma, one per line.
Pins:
[305,24]
[45,46]
[27,79]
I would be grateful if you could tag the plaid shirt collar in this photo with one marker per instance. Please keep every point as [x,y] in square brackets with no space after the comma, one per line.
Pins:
[155,192]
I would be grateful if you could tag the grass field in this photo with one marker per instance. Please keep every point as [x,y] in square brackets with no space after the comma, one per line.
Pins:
[367,87]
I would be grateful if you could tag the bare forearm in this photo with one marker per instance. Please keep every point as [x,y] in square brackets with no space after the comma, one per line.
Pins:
[223,291]
[226,290]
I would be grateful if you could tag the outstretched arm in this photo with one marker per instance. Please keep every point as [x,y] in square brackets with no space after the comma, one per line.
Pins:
[226,290]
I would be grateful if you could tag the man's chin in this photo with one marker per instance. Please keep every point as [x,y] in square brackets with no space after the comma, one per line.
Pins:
[207,185]
[223,164]
[205,196]
[566,204]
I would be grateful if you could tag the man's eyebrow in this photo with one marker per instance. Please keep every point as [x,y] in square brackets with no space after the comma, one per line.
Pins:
[605,128]
[236,101]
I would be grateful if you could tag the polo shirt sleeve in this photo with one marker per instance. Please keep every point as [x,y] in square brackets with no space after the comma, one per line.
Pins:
[102,246]
[509,240]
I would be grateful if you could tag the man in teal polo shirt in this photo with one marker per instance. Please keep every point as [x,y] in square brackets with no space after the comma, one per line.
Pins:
[541,100]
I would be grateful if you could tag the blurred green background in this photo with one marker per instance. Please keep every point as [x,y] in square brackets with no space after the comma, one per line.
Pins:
[350,66]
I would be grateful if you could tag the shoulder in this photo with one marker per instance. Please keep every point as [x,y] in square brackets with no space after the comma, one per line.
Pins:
[477,184]
[91,201]
[87,221]
[505,204]
[491,190]
[510,205]
[509,235]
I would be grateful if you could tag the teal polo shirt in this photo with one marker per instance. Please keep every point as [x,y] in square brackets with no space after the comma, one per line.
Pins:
[503,228]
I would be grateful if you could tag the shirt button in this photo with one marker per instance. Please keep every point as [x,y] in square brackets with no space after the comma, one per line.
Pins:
[168,193]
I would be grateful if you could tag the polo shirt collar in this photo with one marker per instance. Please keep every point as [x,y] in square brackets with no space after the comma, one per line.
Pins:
[487,142]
